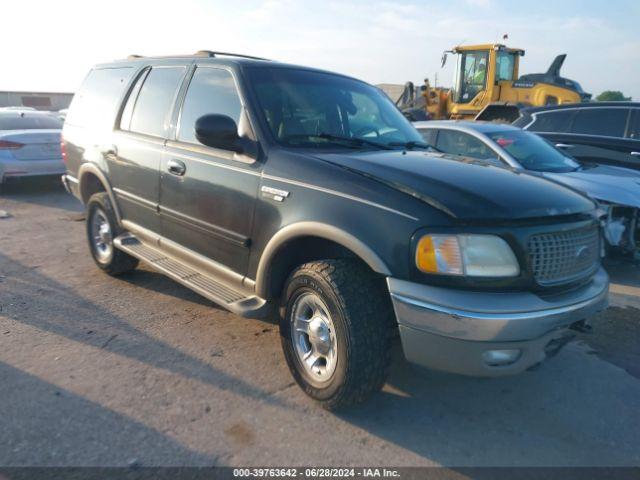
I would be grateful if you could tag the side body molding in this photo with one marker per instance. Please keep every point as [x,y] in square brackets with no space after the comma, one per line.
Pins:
[92,168]
[313,229]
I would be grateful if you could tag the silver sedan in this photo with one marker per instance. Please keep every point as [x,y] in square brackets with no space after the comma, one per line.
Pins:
[29,144]
[616,189]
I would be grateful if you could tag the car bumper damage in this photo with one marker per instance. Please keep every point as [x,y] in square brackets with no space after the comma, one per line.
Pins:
[486,333]
[622,228]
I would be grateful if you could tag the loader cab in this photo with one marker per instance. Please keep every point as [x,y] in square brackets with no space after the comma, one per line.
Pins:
[480,69]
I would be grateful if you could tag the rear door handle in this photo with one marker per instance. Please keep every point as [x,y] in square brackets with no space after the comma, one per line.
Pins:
[176,167]
[563,145]
[635,154]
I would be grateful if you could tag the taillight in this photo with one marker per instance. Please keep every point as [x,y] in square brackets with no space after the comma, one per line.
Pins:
[7,145]
[63,150]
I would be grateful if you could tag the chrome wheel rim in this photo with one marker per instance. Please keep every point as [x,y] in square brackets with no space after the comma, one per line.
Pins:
[314,337]
[101,236]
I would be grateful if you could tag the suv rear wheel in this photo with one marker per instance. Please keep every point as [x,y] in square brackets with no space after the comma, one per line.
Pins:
[335,329]
[102,228]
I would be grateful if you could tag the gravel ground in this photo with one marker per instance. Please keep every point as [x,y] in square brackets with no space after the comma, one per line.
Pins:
[141,371]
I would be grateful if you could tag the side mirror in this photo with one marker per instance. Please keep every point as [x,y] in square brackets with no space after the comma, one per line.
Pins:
[443,60]
[218,131]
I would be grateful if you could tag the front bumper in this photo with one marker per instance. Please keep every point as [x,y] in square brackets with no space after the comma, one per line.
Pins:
[452,330]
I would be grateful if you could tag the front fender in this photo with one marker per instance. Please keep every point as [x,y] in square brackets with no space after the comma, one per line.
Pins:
[315,229]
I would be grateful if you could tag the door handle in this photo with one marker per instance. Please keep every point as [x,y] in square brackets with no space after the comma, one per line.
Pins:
[635,154]
[176,167]
[563,145]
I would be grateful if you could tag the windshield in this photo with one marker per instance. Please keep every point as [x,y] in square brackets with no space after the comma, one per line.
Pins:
[312,109]
[533,152]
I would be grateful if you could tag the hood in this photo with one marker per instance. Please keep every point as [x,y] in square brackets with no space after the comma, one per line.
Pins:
[604,183]
[462,189]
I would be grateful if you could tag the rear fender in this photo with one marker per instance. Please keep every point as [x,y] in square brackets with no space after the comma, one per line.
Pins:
[84,172]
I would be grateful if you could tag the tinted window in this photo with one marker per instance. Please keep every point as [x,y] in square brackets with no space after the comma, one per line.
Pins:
[211,90]
[610,122]
[96,102]
[29,122]
[634,131]
[125,118]
[533,152]
[459,143]
[153,105]
[554,121]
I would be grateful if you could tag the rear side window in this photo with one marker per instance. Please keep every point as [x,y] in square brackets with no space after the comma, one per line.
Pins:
[609,122]
[557,121]
[96,102]
[29,122]
[212,90]
[153,104]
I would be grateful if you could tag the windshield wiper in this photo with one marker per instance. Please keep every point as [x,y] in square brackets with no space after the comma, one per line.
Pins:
[414,144]
[355,141]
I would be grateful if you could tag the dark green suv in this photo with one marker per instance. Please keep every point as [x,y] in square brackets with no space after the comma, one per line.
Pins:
[275,188]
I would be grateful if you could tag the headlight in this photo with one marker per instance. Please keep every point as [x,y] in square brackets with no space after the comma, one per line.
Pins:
[472,255]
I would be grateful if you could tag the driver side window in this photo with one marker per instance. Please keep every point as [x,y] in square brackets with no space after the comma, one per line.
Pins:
[463,144]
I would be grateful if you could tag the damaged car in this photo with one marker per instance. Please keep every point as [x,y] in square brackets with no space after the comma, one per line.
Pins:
[616,189]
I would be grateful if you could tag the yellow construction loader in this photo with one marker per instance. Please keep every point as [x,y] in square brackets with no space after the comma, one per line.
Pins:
[486,86]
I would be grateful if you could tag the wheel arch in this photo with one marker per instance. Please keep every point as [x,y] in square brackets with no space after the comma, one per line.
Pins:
[284,251]
[93,180]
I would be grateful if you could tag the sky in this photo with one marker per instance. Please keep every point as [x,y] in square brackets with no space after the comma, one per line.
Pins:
[50,45]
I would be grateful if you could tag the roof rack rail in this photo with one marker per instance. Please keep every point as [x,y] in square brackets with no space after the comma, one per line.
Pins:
[200,53]
[211,54]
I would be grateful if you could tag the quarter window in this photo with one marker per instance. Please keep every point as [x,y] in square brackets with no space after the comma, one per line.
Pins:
[212,90]
[153,105]
[609,122]
[95,104]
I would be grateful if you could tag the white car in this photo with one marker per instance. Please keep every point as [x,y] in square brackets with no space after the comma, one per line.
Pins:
[29,144]
[616,189]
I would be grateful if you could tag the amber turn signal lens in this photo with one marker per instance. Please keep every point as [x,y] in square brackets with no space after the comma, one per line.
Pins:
[439,254]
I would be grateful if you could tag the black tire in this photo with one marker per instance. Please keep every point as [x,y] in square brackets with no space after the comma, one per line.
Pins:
[360,309]
[116,262]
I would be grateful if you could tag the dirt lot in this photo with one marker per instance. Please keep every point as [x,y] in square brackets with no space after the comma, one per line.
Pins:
[139,370]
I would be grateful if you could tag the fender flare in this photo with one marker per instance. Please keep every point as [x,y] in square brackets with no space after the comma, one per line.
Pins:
[91,168]
[314,229]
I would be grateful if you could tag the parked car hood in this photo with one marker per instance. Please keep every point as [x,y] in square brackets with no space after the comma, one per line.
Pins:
[464,189]
[605,183]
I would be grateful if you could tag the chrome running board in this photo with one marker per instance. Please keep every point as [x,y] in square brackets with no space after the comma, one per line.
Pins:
[209,287]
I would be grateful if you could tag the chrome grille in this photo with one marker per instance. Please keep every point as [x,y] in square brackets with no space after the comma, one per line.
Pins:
[564,256]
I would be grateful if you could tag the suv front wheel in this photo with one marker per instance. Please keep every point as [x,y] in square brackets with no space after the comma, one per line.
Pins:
[335,329]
